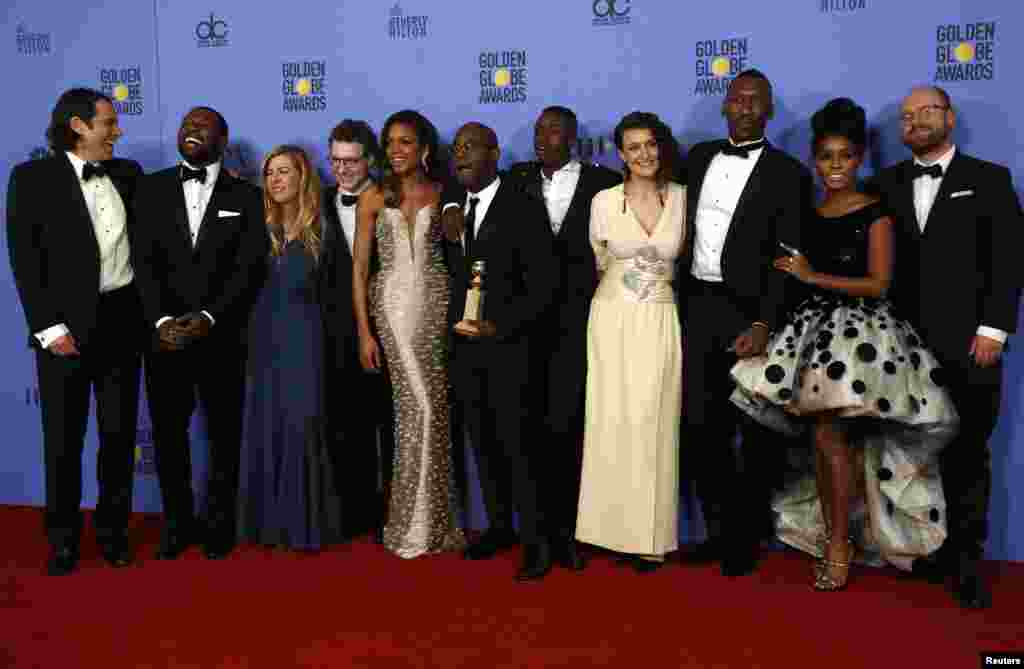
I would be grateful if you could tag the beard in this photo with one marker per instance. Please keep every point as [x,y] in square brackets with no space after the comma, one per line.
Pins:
[924,142]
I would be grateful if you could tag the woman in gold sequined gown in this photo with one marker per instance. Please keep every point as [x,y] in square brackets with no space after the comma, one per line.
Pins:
[629,497]
[408,303]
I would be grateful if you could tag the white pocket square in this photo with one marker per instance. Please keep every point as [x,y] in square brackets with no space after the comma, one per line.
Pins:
[224,213]
[961,193]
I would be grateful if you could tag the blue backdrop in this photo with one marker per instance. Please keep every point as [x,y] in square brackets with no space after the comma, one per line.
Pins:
[288,72]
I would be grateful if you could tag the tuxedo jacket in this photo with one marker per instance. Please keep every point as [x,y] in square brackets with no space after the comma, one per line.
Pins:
[222,273]
[963,270]
[578,277]
[773,207]
[522,273]
[52,243]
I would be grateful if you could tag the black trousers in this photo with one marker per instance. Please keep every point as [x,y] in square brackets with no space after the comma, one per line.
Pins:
[215,367]
[108,366]
[563,372]
[966,463]
[493,387]
[733,484]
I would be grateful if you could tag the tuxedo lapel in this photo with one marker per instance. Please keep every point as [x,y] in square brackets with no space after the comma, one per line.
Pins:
[577,200]
[70,177]
[493,212]
[210,217]
[700,171]
[905,202]
[754,185]
[952,182]
[333,219]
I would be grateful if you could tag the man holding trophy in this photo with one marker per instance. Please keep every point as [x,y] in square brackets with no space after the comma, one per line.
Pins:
[504,274]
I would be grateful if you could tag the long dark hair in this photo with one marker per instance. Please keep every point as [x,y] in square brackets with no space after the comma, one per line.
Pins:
[426,135]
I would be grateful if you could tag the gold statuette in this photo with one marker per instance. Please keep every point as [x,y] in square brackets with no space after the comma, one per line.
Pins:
[474,310]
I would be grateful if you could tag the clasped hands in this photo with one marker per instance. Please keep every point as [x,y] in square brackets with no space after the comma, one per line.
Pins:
[177,333]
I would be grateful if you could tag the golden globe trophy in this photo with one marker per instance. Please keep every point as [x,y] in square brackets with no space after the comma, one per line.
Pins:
[474,310]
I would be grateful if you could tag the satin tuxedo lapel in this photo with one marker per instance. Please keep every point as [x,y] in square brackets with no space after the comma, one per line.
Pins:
[210,216]
[905,204]
[329,211]
[952,182]
[701,164]
[486,227]
[753,187]
[577,201]
[81,210]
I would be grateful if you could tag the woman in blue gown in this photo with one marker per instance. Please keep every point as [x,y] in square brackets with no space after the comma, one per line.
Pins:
[287,495]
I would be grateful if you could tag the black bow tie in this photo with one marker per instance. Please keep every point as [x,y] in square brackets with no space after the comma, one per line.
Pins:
[933,171]
[186,173]
[349,200]
[729,149]
[93,170]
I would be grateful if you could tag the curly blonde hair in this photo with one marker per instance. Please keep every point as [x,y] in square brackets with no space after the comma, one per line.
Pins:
[309,203]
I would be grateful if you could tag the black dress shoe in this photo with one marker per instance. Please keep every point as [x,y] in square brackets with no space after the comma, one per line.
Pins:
[217,550]
[62,561]
[567,554]
[117,552]
[490,544]
[971,590]
[172,544]
[703,553]
[536,563]
[739,563]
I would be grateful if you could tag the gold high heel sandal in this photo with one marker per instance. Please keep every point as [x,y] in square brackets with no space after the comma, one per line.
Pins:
[825,579]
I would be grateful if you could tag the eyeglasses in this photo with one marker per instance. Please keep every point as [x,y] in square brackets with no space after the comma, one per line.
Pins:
[925,113]
[346,162]
[468,147]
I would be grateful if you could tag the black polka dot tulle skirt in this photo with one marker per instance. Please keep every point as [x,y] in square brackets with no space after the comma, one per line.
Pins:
[853,357]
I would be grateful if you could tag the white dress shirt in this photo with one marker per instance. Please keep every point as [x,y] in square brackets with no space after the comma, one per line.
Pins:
[109,222]
[558,192]
[925,190]
[723,185]
[347,215]
[486,197]
[197,198]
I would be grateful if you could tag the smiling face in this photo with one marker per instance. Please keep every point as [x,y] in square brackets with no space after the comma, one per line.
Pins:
[927,123]
[282,179]
[475,152]
[836,160]
[350,165]
[403,150]
[639,152]
[200,139]
[96,138]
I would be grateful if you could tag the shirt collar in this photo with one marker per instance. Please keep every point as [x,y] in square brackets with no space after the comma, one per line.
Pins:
[76,163]
[573,166]
[753,141]
[366,184]
[212,172]
[487,194]
[943,161]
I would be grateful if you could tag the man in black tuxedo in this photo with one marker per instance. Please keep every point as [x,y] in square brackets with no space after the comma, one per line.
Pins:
[362,413]
[69,221]
[491,359]
[565,187]
[958,234]
[744,196]
[200,254]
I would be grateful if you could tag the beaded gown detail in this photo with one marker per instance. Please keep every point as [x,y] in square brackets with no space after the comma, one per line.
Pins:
[855,356]
[409,303]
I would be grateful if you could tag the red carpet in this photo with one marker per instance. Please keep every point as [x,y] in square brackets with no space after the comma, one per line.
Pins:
[358,606]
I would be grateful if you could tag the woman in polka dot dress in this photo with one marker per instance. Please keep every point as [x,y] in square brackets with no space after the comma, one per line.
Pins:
[846,368]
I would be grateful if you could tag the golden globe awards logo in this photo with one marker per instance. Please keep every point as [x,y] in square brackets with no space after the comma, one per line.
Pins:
[31,44]
[611,12]
[841,6]
[406,26]
[124,86]
[304,85]
[502,76]
[718,63]
[211,32]
[965,52]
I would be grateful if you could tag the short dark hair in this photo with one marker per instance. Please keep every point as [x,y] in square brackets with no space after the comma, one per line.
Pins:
[841,117]
[754,73]
[358,132]
[221,121]
[80,102]
[568,117]
[669,153]
[941,92]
